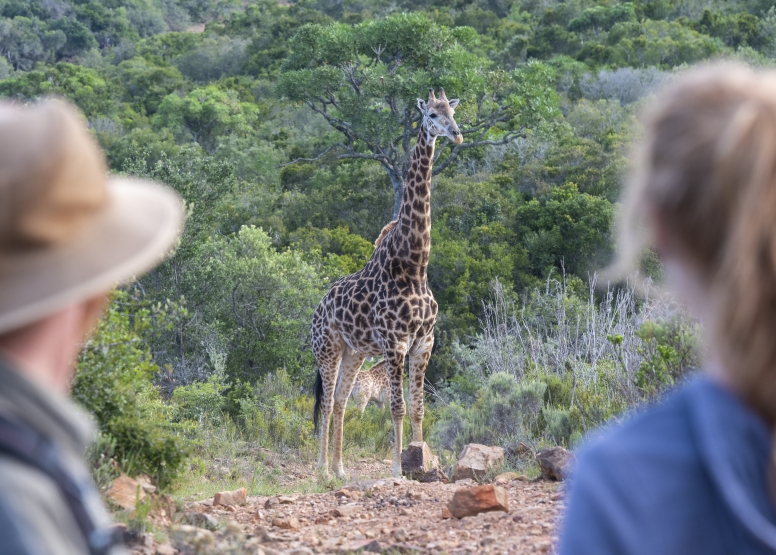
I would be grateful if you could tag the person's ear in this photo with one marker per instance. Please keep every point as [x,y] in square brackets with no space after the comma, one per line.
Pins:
[422,106]
[93,310]
[454,102]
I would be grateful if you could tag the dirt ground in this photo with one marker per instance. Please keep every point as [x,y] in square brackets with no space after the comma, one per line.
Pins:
[372,514]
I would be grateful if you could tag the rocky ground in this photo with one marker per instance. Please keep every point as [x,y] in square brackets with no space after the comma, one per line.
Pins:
[382,515]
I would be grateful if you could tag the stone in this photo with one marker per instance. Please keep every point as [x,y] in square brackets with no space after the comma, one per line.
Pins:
[126,492]
[446,513]
[145,483]
[286,500]
[476,460]
[505,478]
[300,551]
[350,509]
[359,546]
[401,535]
[236,497]
[191,539]
[202,520]
[555,463]
[417,460]
[165,549]
[291,523]
[271,502]
[347,494]
[434,475]
[404,549]
[478,499]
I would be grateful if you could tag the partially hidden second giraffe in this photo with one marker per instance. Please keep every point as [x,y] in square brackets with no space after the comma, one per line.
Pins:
[372,385]
[386,308]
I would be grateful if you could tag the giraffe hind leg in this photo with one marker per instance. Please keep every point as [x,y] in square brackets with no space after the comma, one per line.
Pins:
[348,371]
[329,358]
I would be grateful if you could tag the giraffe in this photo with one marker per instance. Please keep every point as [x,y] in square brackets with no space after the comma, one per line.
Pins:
[372,384]
[386,308]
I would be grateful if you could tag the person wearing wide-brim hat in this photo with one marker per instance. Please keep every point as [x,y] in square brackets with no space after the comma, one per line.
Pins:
[69,233]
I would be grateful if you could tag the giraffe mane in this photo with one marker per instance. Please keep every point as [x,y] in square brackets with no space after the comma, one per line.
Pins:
[384,232]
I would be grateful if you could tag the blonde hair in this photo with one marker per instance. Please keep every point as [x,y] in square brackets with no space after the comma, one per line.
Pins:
[706,177]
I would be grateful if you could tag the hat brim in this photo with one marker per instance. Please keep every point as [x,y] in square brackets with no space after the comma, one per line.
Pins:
[133,233]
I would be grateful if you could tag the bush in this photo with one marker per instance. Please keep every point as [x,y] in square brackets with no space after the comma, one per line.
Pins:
[113,380]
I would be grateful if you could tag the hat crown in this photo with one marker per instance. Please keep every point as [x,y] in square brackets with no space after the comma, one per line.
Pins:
[52,175]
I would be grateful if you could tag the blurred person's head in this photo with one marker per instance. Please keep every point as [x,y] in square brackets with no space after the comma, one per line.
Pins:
[69,233]
[705,189]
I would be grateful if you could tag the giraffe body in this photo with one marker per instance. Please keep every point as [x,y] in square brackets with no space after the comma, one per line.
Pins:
[386,308]
[372,385]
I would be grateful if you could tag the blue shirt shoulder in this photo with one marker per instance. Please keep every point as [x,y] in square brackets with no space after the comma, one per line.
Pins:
[653,484]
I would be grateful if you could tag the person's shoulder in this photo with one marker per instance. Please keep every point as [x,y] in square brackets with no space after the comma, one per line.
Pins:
[36,507]
[660,433]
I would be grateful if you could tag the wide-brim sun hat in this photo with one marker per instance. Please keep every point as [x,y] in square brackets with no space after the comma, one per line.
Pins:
[68,230]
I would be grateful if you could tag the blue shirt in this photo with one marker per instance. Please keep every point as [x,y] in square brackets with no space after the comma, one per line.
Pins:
[686,476]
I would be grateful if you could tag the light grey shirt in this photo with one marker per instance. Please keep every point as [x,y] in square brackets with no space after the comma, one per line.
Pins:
[30,499]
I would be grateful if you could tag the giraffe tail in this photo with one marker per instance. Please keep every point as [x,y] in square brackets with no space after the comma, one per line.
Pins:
[318,391]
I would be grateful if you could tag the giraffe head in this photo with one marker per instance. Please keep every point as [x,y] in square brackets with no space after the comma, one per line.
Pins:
[438,116]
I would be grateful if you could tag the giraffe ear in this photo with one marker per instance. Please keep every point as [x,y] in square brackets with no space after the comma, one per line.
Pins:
[454,102]
[422,106]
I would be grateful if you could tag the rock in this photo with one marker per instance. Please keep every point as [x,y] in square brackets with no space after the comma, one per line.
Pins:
[404,549]
[505,478]
[476,460]
[271,502]
[300,551]
[291,523]
[236,497]
[165,549]
[434,475]
[285,500]
[479,499]
[446,513]
[347,494]
[405,512]
[358,546]
[465,482]
[145,483]
[126,492]
[417,460]
[349,509]
[401,535]
[555,463]
[191,539]
[202,520]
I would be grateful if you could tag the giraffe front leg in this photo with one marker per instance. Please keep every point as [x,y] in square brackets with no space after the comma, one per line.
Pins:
[419,356]
[395,364]
[349,367]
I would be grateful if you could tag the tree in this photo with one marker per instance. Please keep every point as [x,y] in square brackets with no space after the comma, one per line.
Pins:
[205,115]
[365,79]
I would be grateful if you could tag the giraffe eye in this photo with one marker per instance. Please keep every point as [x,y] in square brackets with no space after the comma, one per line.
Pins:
[432,116]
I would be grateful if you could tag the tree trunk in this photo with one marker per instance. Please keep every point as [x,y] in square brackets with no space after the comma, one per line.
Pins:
[397,182]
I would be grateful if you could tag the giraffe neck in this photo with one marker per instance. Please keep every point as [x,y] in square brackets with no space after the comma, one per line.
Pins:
[414,222]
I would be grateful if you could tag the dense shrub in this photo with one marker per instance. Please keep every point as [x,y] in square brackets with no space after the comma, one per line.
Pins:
[113,380]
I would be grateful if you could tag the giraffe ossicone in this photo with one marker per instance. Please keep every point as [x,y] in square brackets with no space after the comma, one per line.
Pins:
[386,308]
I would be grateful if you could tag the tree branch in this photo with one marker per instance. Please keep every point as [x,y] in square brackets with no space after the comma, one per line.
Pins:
[315,159]
[508,137]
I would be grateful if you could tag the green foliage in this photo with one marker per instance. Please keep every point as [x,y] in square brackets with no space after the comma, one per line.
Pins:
[566,228]
[113,380]
[260,300]
[670,353]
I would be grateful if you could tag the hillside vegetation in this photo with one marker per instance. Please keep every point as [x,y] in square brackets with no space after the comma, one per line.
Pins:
[285,128]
